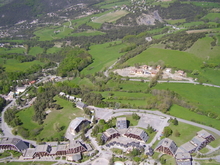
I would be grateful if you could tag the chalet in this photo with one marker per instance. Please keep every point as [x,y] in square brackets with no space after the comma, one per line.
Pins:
[75,147]
[183,159]
[180,72]
[29,154]
[206,135]
[140,71]
[74,157]
[168,70]
[77,124]
[121,123]
[13,144]
[71,98]
[109,134]
[187,147]
[167,146]
[158,67]
[199,142]
[133,71]
[145,67]
[60,149]
[136,133]
[20,90]
[42,150]
[81,105]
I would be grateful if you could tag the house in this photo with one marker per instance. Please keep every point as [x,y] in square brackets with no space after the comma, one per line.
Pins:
[180,72]
[199,142]
[140,71]
[29,154]
[121,123]
[42,150]
[74,157]
[168,70]
[133,71]
[76,147]
[77,124]
[81,105]
[145,67]
[20,90]
[148,39]
[206,135]
[187,147]
[167,146]
[136,133]
[72,98]
[13,144]
[109,134]
[183,159]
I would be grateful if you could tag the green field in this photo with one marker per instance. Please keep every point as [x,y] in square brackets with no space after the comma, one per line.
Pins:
[62,116]
[187,132]
[172,58]
[187,25]
[110,17]
[107,4]
[35,50]
[12,50]
[13,65]
[29,163]
[104,56]
[53,50]
[206,4]
[212,16]
[175,21]
[202,49]
[206,98]
[186,114]
[94,25]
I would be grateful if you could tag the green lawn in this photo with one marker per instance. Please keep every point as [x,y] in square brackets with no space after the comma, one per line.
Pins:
[175,21]
[187,132]
[29,163]
[169,159]
[13,65]
[193,24]
[104,56]
[202,49]
[212,16]
[94,25]
[206,4]
[186,114]
[172,58]
[88,33]
[204,150]
[53,50]
[35,50]
[12,50]
[206,98]
[62,116]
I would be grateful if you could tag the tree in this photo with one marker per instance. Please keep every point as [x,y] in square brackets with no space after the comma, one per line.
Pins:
[83,137]
[176,133]
[175,121]
[167,131]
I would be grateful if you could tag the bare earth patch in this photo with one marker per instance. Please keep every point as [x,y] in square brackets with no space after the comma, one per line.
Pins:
[198,31]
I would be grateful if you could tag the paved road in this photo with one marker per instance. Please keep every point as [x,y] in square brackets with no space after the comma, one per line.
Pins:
[106,72]
[117,113]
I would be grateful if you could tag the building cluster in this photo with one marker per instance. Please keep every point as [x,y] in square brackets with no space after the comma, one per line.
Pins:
[182,153]
[76,125]
[71,149]
[124,137]
[146,70]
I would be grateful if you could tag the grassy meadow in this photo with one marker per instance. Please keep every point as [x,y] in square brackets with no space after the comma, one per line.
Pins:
[175,21]
[62,116]
[13,65]
[12,50]
[212,16]
[104,56]
[35,50]
[110,17]
[174,58]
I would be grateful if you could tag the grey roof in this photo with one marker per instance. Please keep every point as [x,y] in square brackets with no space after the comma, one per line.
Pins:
[76,156]
[121,123]
[76,122]
[183,162]
[197,141]
[29,153]
[139,132]
[43,148]
[168,143]
[204,134]
[61,147]
[110,131]
[75,144]
[186,147]
[183,155]
[21,145]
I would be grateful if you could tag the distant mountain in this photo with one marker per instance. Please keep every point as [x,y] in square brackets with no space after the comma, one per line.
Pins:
[18,10]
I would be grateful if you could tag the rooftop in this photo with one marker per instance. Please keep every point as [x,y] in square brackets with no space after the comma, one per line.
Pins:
[187,147]
[110,132]
[76,122]
[204,134]
[135,131]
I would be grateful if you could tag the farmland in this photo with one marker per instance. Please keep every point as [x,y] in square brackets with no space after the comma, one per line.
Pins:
[110,17]
[104,55]
[181,60]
